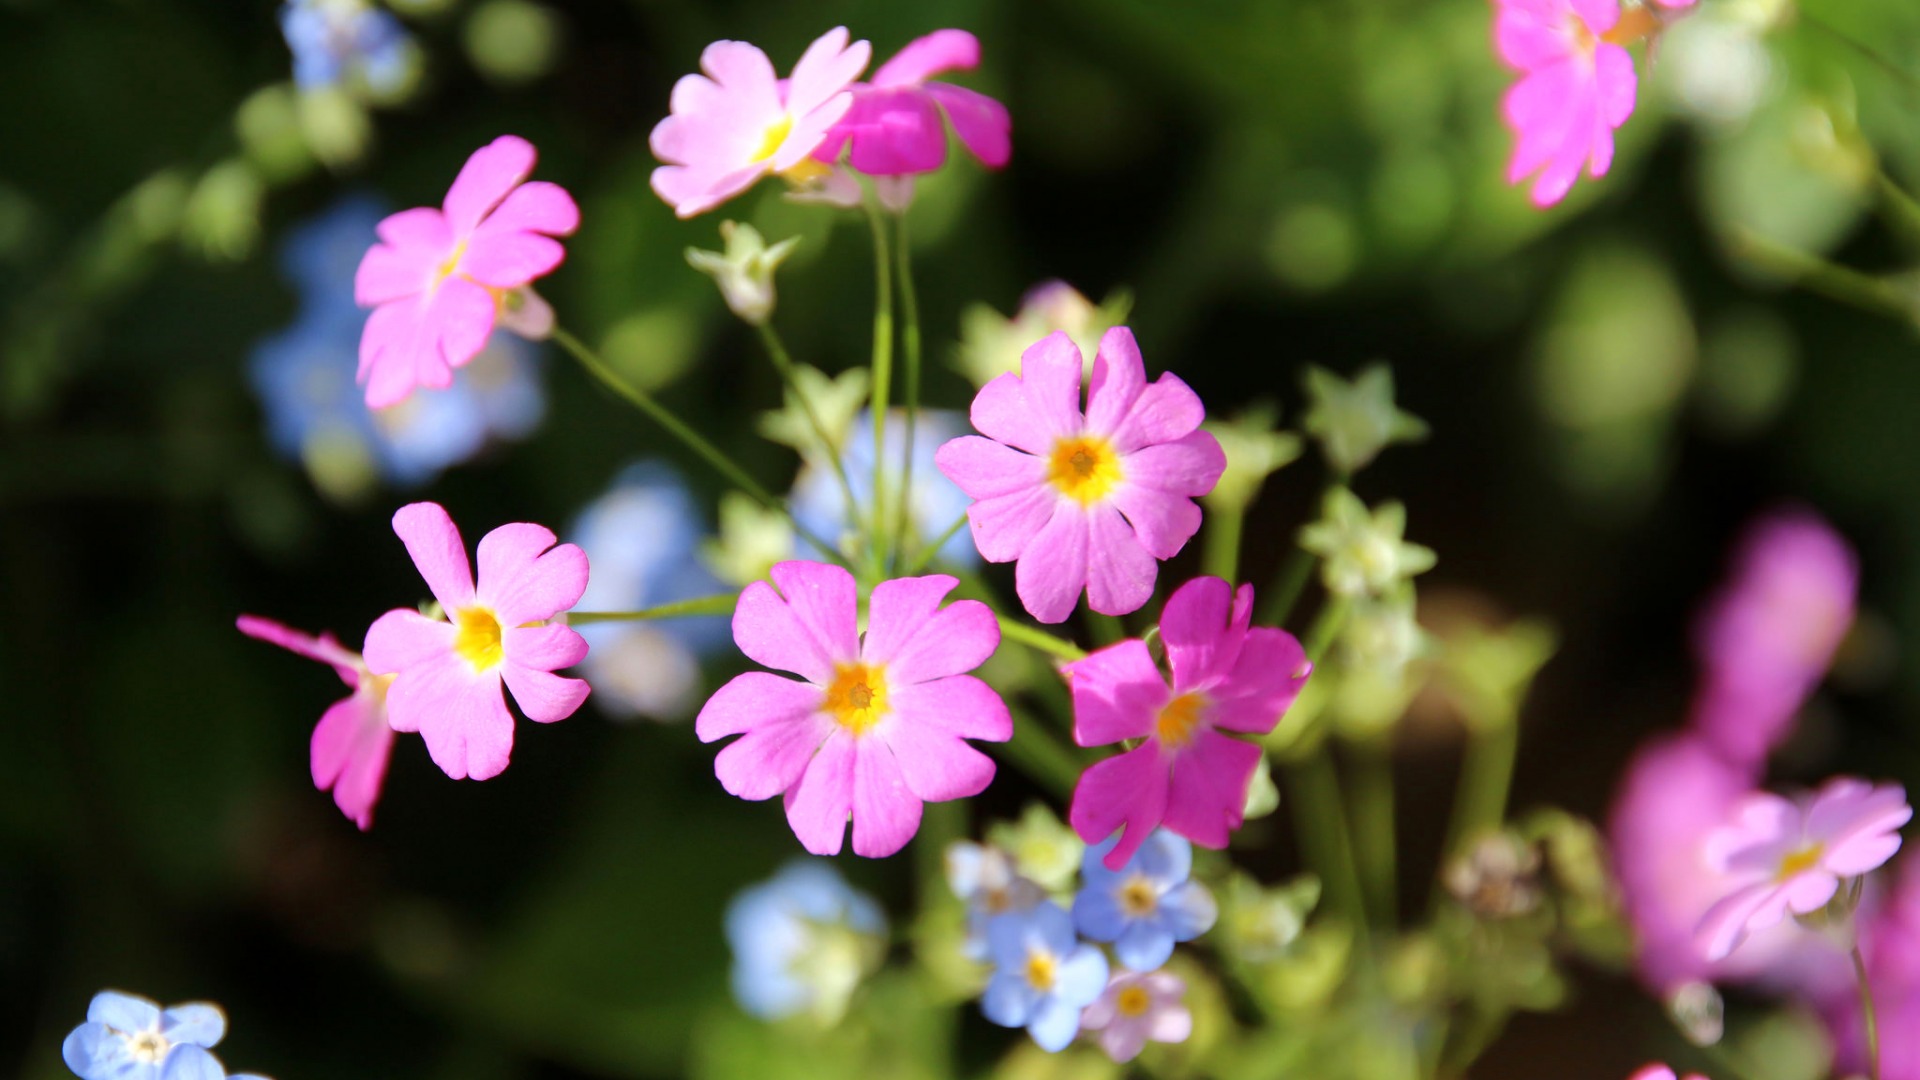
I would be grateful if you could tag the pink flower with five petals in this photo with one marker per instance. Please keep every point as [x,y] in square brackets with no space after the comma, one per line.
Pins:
[1084,501]
[878,726]
[352,743]
[1577,85]
[448,671]
[1187,773]
[438,278]
[897,125]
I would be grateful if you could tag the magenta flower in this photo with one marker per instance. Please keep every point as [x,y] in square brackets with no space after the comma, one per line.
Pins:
[1187,773]
[1661,1072]
[1766,639]
[448,670]
[1084,502]
[1782,855]
[352,742]
[1890,942]
[438,279]
[897,125]
[1576,87]
[740,121]
[1136,1009]
[878,725]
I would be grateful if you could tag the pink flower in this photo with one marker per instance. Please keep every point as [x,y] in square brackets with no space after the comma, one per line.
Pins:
[447,674]
[739,121]
[1135,1009]
[352,742]
[1766,639]
[1661,1072]
[1890,942]
[1576,86]
[1782,855]
[896,124]
[438,278]
[877,727]
[1084,502]
[1186,774]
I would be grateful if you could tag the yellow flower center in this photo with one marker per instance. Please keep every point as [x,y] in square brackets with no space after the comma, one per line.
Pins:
[1041,968]
[776,134]
[1138,897]
[1133,1001]
[1177,721]
[857,697]
[478,637]
[1084,468]
[453,263]
[149,1047]
[1805,858]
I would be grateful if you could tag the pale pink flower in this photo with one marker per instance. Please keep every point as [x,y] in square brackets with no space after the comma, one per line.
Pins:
[897,125]
[438,279]
[1084,501]
[352,742]
[739,121]
[1138,1008]
[878,725]
[1187,773]
[1783,855]
[1661,1072]
[448,670]
[1575,88]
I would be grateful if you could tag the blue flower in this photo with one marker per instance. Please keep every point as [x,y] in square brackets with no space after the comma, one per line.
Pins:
[802,942]
[1146,905]
[1043,975]
[131,1038]
[989,881]
[336,41]
[643,538]
[821,505]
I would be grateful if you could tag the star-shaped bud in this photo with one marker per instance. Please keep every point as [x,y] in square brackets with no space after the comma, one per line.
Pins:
[1354,421]
[835,401]
[1254,451]
[1363,553]
[744,271]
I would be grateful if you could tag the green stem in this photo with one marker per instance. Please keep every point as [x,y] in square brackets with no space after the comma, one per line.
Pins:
[1288,583]
[925,555]
[882,366]
[1901,210]
[1486,775]
[1320,823]
[1035,750]
[1039,639]
[1326,626]
[674,426]
[910,340]
[1831,280]
[1375,846]
[1221,558]
[1869,1019]
[1106,629]
[783,363]
[705,605]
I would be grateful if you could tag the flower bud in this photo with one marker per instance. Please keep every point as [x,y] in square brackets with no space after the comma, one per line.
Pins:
[1698,1011]
[744,271]
[1354,421]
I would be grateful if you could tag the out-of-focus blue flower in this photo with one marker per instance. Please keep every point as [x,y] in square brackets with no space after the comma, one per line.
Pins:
[643,538]
[801,943]
[304,377]
[821,505]
[1043,975]
[127,1037]
[989,882]
[347,41]
[1146,905]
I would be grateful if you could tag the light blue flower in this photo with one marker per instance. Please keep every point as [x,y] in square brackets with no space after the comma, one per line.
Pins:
[801,943]
[131,1038]
[643,539]
[821,505]
[1043,976]
[1146,905]
[338,41]
[989,882]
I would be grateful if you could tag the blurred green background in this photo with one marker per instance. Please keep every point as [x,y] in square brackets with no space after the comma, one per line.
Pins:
[1279,182]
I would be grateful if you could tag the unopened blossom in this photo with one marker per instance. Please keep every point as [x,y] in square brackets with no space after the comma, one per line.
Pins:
[738,121]
[128,1037]
[877,724]
[898,122]
[990,883]
[1576,86]
[352,743]
[1766,639]
[1363,552]
[1353,420]
[1136,1009]
[1084,501]
[744,271]
[1188,773]
[1790,856]
[1145,906]
[448,671]
[439,279]
[802,942]
[1043,976]
[1043,846]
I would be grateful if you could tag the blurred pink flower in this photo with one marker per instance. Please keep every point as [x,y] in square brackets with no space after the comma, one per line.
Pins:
[1890,943]
[1138,1008]
[1767,637]
[878,725]
[448,671]
[1084,502]
[1576,87]
[352,742]
[739,121]
[1186,774]
[1782,855]
[1661,1072]
[897,125]
[438,279]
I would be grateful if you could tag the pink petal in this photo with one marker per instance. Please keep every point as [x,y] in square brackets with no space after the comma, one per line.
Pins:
[769,759]
[827,68]
[459,712]
[1809,891]
[1131,789]
[1203,625]
[1570,155]
[959,704]
[433,540]
[935,764]
[391,363]
[1052,569]
[421,231]
[548,647]
[1536,108]
[1616,85]
[809,131]
[357,789]
[404,638]
[983,468]
[1166,411]
[1161,523]
[1190,465]
[1727,923]
[916,640]
[769,632]
[886,813]
[1528,42]
[387,274]
[494,170]
[1120,572]
[752,699]
[508,260]
[1170,1024]
[1117,694]
[1209,790]
[693,192]
[740,71]
[349,753]
[982,123]
[536,207]
[324,648]
[818,804]
[1271,671]
[522,581]
[1039,406]
[1118,377]
[1599,15]
[924,57]
[895,133]
[1124,1040]
[542,695]
[1005,526]
[1862,854]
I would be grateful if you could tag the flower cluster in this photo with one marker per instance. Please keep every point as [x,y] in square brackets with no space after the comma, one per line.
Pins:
[127,1037]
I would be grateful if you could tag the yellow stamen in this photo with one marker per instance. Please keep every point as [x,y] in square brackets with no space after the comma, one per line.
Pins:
[1138,897]
[776,135]
[453,263]
[857,697]
[1178,719]
[1804,859]
[1133,1001]
[1084,468]
[478,638]
[1041,968]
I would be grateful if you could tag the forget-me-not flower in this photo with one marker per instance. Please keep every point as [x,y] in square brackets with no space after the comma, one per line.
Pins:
[347,41]
[1043,977]
[1147,904]
[989,882]
[127,1037]
[937,503]
[802,942]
